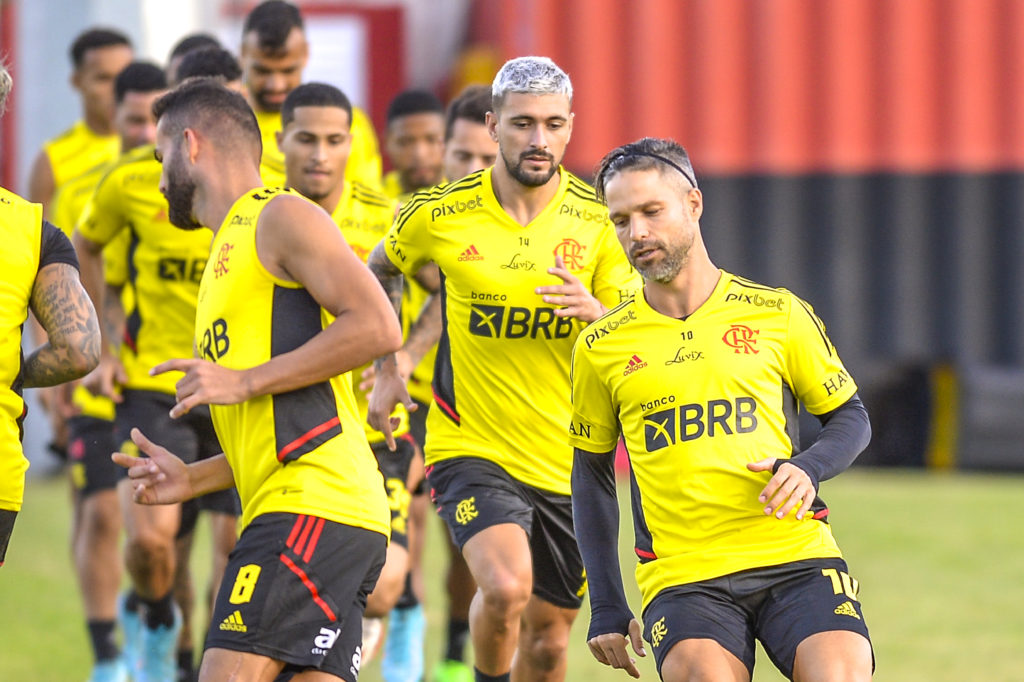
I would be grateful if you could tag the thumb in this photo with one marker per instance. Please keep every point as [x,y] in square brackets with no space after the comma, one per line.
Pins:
[765,464]
[146,445]
[635,637]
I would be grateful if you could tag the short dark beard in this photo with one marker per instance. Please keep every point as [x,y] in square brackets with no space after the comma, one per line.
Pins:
[180,197]
[528,179]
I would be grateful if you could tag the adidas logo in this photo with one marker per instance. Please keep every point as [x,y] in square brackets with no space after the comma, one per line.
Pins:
[233,623]
[846,609]
[635,364]
[470,254]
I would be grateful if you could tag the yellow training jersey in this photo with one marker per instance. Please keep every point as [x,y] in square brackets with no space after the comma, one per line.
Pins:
[68,203]
[414,297]
[304,451]
[364,163]
[364,216]
[22,224]
[501,381]
[696,400]
[165,265]
[77,151]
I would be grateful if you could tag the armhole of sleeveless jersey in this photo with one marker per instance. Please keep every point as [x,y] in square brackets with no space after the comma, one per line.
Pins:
[287,284]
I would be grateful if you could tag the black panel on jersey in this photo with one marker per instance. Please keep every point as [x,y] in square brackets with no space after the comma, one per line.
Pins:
[55,247]
[644,543]
[307,417]
[134,322]
[444,377]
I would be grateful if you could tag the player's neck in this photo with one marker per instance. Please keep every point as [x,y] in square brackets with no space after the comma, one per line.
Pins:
[688,291]
[216,196]
[330,202]
[521,202]
[100,125]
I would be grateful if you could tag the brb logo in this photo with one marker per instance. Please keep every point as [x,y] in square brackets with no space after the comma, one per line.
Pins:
[678,424]
[741,339]
[215,340]
[498,321]
[571,253]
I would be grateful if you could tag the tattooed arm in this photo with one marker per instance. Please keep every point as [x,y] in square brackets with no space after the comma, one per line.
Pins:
[61,305]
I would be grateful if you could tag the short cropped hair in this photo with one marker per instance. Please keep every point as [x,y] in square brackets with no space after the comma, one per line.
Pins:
[94,39]
[472,104]
[410,102]
[314,95]
[204,104]
[139,76]
[215,62]
[6,84]
[192,42]
[530,75]
[666,156]
[272,21]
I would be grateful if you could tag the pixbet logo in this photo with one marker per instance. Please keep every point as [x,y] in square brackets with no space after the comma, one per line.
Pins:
[454,207]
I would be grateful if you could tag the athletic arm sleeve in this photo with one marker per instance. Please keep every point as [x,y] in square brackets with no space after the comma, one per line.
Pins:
[595,514]
[845,432]
[55,247]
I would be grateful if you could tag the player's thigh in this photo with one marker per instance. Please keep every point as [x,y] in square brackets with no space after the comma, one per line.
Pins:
[224,664]
[90,442]
[558,574]
[700,629]
[144,523]
[834,655]
[394,466]
[293,589]
[808,598]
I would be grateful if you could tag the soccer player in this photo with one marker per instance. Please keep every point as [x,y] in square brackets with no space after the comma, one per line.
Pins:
[414,143]
[165,266]
[315,138]
[212,62]
[40,274]
[97,56]
[96,514]
[702,375]
[188,44]
[284,313]
[468,147]
[274,53]
[527,255]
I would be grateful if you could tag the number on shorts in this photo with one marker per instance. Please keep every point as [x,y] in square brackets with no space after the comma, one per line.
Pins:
[245,583]
[842,582]
[398,496]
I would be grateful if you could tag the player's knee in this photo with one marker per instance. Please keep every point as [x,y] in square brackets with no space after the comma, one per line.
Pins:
[149,548]
[506,593]
[546,648]
[385,595]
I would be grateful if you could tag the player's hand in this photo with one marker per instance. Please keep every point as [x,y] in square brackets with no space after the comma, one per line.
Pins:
[160,478]
[788,488]
[388,391]
[578,302]
[108,376]
[405,368]
[610,649]
[204,383]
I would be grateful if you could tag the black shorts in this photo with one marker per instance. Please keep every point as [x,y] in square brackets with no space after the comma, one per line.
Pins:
[780,605]
[90,442]
[295,590]
[473,494]
[7,518]
[418,431]
[395,468]
[191,437]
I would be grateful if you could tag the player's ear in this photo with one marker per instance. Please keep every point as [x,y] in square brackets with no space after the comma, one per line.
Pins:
[695,203]
[492,125]
[191,144]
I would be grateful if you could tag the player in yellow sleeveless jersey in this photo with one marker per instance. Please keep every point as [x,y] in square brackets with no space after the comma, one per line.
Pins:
[284,314]
[702,376]
[527,256]
[273,55]
[40,274]
[96,514]
[315,140]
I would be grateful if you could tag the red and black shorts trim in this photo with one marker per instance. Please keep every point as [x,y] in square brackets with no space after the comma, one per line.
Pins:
[780,606]
[473,494]
[295,589]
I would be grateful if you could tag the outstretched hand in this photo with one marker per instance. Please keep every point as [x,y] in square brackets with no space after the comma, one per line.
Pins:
[576,299]
[159,478]
[610,649]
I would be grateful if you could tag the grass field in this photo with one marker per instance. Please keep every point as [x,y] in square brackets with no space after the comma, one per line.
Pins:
[939,557]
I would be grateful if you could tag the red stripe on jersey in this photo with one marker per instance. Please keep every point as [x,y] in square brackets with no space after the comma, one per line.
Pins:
[310,522]
[644,554]
[447,409]
[295,530]
[312,433]
[309,586]
[313,540]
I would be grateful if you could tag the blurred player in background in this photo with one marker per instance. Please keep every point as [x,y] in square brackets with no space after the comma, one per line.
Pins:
[702,374]
[190,43]
[502,238]
[96,514]
[273,55]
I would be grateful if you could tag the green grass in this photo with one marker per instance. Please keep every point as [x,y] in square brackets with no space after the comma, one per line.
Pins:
[939,557]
